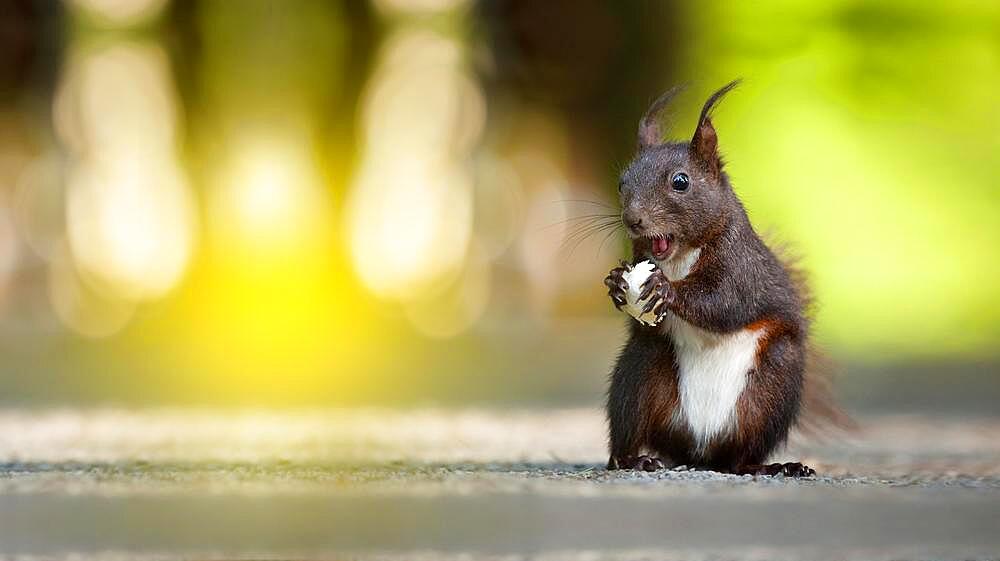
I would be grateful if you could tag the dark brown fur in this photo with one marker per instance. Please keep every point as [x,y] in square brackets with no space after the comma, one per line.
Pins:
[738,283]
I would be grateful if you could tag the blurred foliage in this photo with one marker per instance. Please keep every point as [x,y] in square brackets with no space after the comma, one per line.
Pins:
[867,135]
[288,202]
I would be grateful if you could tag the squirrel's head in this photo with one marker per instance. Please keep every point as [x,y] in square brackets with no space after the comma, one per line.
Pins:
[675,195]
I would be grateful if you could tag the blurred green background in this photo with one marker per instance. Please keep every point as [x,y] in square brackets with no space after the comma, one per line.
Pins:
[371,202]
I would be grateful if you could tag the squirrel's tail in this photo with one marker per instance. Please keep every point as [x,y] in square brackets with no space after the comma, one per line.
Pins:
[820,414]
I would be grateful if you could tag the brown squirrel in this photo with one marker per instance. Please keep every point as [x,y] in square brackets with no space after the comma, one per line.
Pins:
[720,379]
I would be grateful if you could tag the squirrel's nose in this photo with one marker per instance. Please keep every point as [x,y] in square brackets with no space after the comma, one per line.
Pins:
[633,220]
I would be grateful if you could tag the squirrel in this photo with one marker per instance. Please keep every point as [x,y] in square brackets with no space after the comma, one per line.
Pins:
[720,379]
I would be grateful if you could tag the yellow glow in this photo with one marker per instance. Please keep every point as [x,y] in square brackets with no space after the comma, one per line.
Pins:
[272,305]
[266,201]
[276,311]
[269,200]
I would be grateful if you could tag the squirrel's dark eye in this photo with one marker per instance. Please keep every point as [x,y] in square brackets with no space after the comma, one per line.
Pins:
[621,185]
[680,181]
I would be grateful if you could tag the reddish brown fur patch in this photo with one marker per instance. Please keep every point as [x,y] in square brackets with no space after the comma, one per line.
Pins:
[769,329]
[763,394]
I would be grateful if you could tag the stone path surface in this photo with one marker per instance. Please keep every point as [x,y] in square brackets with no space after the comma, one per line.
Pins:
[474,484]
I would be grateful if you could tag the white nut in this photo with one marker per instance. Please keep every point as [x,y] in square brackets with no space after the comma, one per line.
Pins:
[635,277]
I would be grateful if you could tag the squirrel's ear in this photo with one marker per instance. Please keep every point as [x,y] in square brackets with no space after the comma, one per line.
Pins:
[704,144]
[649,127]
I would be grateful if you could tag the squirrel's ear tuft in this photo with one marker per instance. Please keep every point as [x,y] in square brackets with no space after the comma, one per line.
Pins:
[705,144]
[649,126]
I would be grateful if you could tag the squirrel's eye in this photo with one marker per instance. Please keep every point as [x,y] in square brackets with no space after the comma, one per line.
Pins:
[621,185]
[680,182]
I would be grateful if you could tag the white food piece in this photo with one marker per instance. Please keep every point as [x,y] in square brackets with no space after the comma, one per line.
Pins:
[635,277]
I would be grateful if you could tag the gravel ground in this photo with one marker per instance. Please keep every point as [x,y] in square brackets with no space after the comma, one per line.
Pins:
[474,484]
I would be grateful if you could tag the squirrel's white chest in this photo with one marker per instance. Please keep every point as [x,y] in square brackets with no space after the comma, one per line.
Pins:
[712,371]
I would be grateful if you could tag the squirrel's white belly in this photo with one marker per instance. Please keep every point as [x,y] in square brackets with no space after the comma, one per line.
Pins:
[712,373]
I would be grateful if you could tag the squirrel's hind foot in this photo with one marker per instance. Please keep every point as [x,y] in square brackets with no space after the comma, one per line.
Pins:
[788,469]
[638,463]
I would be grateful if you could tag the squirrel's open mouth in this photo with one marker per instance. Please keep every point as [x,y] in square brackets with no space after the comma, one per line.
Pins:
[662,246]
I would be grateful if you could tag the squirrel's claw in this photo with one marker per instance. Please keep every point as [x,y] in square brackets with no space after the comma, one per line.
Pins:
[653,301]
[652,283]
[616,287]
[617,300]
[662,314]
[659,292]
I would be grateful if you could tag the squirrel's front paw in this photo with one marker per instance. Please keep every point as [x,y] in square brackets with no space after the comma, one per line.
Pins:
[617,285]
[660,294]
